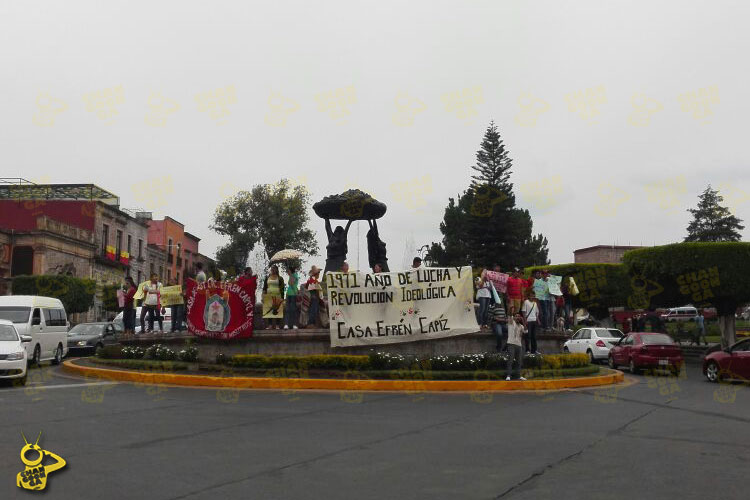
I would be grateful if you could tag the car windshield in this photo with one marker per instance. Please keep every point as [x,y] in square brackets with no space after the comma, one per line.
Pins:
[7,332]
[15,314]
[608,333]
[86,329]
[659,338]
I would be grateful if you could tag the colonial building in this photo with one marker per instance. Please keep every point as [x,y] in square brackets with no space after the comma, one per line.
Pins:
[601,254]
[180,246]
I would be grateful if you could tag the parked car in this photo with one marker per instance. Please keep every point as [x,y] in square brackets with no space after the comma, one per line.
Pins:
[596,342]
[687,313]
[12,352]
[88,337]
[44,320]
[730,363]
[166,318]
[641,350]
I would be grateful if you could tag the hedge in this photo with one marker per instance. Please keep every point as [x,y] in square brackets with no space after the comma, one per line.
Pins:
[76,294]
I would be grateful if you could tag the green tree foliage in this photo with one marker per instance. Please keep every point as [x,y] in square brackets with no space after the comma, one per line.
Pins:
[702,274]
[109,297]
[76,294]
[274,214]
[483,226]
[600,286]
[711,221]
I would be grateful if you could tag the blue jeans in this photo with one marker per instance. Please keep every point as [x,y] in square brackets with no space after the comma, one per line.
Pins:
[531,336]
[484,303]
[547,316]
[177,320]
[312,318]
[501,334]
[291,310]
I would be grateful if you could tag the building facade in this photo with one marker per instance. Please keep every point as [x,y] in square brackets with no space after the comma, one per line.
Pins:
[181,248]
[601,254]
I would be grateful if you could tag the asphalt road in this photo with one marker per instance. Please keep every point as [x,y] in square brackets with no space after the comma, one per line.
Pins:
[656,437]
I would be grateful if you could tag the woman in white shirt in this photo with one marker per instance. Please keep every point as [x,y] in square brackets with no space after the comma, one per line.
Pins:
[530,311]
[152,304]
[484,296]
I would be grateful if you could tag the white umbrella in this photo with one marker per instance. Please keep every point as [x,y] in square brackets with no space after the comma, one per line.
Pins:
[287,254]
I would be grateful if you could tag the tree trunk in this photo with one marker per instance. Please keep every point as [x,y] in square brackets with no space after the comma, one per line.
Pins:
[726,326]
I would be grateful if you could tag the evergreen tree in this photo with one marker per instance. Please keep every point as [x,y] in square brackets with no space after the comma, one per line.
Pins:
[483,226]
[711,221]
[493,163]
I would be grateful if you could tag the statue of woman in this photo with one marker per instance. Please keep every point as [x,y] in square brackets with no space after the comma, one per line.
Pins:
[337,247]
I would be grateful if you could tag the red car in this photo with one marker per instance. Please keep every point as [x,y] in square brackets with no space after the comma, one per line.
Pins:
[731,363]
[641,350]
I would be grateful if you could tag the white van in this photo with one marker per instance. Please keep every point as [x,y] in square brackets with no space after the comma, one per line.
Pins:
[686,313]
[44,320]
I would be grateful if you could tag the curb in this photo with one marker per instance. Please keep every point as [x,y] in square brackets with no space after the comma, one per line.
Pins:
[352,384]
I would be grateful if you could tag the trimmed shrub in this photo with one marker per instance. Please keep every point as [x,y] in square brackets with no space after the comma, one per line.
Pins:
[110,352]
[189,354]
[160,352]
[129,352]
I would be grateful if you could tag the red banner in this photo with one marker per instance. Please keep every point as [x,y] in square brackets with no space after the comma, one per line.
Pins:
[221,310]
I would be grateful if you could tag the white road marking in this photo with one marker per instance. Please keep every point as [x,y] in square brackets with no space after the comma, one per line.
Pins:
[61,386]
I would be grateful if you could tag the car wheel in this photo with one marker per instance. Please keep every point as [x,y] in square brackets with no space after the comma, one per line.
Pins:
[58,355]
[713,373]
[611,362]
[633,369]
[592,359]
[566,350]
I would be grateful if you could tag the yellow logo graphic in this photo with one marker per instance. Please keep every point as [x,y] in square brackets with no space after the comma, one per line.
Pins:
[485,199]
[531,108]
[586,102]
[34,475]
[411,192]
[699,102]
[544,193]
[337,103]
[104,103]
[666,193]
[463,103]
[407,108]
[279,109]
[159,108]
[48,108]
[733,196]
[152,194]
[610,197]
[216,103]
[643,108]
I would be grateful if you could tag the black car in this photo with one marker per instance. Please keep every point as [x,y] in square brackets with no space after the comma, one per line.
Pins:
[88,337]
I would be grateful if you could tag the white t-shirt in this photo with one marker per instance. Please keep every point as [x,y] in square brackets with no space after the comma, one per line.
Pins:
[515,333]
[530,310]
[484,291]
[152,293]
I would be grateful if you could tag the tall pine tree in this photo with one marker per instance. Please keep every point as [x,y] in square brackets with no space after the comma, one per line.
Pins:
[711,221]
[483,226]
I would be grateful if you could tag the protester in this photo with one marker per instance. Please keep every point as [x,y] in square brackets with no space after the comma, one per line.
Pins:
[273,288]
[515,291]
[499,323]
[312,285]
[700,322]
[567,301]
[128,310]
[291,299]
[176,311]
[515,351]
[530,317]
[416,263]
[200,276]
[483,297]
[541,292]
[152,304]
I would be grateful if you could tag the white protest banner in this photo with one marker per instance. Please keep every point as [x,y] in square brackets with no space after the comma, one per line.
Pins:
[554,284]
[386,308]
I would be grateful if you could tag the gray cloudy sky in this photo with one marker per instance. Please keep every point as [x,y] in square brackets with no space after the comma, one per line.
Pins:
[420,82]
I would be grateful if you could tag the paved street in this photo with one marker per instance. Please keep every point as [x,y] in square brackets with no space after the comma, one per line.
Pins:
[657,437]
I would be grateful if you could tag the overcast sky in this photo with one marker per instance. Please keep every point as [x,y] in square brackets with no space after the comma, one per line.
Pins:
[416,84]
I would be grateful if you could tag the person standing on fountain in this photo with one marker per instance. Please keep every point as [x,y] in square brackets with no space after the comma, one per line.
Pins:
[291,299]
[273,289]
